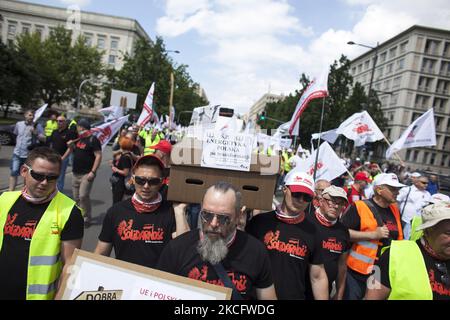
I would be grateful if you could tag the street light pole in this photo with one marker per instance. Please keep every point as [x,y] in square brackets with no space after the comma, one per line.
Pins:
[79,92]
[369,94]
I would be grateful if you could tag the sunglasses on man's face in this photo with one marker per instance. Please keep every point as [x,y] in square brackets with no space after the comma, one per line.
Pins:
[150,181]
[209,216]
[41,177]
[300,195]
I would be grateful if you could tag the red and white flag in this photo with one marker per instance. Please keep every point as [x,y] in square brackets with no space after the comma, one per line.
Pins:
[317,88]
[329,165]
[147,109]
[106,131]
[360,128]
[420,133]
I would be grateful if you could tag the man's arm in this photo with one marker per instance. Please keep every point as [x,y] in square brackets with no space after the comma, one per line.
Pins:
[182,225]
[67,249]
[379,233]
[97,161]
[266,293]
[341,277]
[380,292]
[103,248]
[319,281]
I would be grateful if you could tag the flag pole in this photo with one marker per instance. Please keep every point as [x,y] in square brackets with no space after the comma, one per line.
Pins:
[318,141]
[398,157]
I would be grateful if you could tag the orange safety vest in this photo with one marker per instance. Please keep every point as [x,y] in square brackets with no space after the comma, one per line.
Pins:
[363,254]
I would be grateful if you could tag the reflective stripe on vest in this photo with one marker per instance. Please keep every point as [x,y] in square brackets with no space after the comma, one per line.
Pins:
[408,274]
[44,263]
[364,253]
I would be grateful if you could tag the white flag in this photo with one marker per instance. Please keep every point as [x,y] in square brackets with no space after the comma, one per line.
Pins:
[147,109]
[360,128]
[283,130]
[111,113]
[329,165]
[329,136]
[420,133]
[39,112]
[106,131]
[317,88]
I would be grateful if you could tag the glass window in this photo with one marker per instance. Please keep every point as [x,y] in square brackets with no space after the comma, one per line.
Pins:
[112,59]
[12,27]
[114,44]
[392,52]
[88,39]
[101,43]
[26,28]
[400,64]
[383,57]
[403,47]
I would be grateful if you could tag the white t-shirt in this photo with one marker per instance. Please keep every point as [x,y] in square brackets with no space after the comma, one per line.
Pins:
[415,202]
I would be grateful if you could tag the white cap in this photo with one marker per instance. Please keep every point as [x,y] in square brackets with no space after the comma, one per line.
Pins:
[298,181]
[334,191]
[434,213]
[289,150]
[389,179]
[437,197]
[416,175]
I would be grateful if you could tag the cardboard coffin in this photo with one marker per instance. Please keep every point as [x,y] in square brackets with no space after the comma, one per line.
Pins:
[189,181]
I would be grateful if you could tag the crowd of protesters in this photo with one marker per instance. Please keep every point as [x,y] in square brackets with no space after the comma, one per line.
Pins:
[325,240]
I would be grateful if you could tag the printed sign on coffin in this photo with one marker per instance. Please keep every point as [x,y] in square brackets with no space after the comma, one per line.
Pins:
[89,272]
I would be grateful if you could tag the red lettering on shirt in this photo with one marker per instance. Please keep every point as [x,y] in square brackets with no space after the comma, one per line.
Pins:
[332,245]
[437,286]
[293,247]
[391,225]
[25,232]
[148,233]
[81,145]
[239,280]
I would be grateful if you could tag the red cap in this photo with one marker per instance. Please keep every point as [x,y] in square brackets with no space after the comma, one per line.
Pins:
[164,146]
[361,176]
[152,160]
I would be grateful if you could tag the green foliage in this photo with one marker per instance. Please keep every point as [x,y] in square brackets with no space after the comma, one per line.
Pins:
[150,63]
[344,100]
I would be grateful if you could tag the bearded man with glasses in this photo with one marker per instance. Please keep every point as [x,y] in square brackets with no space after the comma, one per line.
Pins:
[418,270]
[39,229]
[289,239]
[140,227]
[218,252]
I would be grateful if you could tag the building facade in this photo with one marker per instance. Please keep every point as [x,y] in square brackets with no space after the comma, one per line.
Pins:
[260,105]
[412,75]
[110,34]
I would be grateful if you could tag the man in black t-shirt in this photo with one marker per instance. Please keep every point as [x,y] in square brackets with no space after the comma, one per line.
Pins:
[139,228]
[333,237]
[372,224]
[40,229]
[418,270]
[58,142]
[289,239]
[87,156]
[200,253]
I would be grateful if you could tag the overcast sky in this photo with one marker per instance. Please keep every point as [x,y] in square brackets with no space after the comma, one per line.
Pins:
[238,49]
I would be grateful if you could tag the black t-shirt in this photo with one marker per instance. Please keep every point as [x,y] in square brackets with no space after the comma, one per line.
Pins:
[138,237]
[291,247]
[351,220]
[439,289]
[83,154]
[334,241]
[246,263]
[123,162]
[58,140]
[20,225]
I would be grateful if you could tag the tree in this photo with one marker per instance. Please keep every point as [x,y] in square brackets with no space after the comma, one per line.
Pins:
[60,65]
[150,63]
[18,79]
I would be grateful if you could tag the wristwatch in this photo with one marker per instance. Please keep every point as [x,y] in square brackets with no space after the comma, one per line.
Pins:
[93,172]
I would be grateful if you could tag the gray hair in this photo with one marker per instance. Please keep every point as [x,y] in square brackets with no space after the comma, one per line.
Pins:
[224,187]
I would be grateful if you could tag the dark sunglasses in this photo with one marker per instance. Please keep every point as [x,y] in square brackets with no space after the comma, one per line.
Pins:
[151,181]
[41,177]
[442,267]
[306,197]
[209,216]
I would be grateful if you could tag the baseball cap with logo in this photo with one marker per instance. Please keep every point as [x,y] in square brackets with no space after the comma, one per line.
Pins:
[389,179]
[416,175]
[164,146]
[437,197]
[435,213]
[334,191]
[298,181]
[362,176]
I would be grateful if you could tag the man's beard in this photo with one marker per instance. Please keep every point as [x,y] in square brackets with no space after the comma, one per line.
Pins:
[212,251]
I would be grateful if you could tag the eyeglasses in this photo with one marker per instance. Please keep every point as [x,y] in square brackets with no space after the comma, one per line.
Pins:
[41,177]
[208,217]
[423,182]
[332,202]
[151,181]
[306,197]
[442,267]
